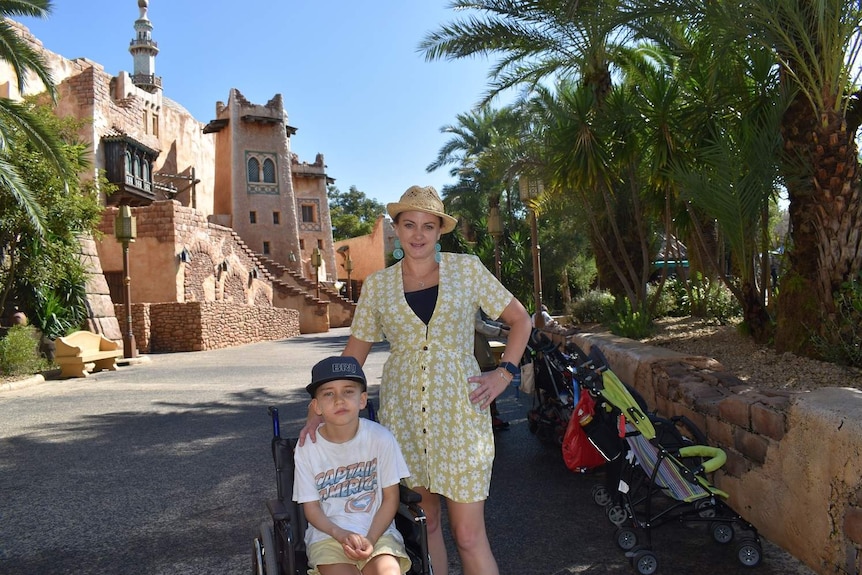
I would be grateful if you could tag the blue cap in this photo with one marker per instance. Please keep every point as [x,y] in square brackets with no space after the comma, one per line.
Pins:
[336,367]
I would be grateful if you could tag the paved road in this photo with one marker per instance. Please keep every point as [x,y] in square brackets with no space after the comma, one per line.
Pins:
[163,468]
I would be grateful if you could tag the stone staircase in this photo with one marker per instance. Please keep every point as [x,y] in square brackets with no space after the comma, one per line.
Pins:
[292,290]
[341,309]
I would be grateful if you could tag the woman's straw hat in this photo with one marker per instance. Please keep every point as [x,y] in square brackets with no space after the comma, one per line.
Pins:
[420,199]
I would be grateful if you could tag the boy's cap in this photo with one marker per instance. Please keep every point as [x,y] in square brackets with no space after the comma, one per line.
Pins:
[337,367]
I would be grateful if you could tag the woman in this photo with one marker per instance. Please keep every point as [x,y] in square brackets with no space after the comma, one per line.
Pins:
[433,396]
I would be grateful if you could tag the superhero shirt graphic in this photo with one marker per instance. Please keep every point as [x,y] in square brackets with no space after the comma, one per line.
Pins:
[348,478]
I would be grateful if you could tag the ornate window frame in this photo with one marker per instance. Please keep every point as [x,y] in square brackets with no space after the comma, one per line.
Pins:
[261,167]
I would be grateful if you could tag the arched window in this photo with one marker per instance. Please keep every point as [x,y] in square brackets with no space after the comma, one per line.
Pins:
[253,170]
[137,166]
[128,162]
[145,172]
[269,171]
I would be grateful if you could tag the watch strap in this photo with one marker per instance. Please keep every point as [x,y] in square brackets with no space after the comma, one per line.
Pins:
[510,367]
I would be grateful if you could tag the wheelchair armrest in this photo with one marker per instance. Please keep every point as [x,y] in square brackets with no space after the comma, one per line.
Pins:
[407,495]
[278,509]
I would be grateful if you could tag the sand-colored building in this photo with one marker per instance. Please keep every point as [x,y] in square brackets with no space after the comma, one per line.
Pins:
[226,212]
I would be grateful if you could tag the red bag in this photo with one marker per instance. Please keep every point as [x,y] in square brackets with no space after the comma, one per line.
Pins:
[578,453]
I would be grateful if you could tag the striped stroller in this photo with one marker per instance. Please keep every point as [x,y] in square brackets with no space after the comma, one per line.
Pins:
[662,477]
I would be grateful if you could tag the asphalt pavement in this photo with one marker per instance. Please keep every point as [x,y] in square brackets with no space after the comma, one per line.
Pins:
[163,467]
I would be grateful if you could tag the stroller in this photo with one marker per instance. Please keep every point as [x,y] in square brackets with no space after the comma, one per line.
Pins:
[663,476]
[555,393]
[279,549]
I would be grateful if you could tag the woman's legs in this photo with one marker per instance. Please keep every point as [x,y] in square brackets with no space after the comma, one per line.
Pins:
[436,546]
[467,521]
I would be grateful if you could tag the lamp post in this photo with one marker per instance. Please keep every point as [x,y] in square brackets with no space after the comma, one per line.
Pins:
[348,266]
[125,230]
[316,261]
[495,228]
[529,189]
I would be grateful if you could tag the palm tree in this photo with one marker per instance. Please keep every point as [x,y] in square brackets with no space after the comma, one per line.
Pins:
[18,117]
[565,40]
[816,45]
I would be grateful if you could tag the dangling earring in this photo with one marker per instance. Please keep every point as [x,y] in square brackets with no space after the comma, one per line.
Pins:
[437,256]
[397,253]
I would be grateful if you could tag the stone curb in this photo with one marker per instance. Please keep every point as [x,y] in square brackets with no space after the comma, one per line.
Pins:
[53,374]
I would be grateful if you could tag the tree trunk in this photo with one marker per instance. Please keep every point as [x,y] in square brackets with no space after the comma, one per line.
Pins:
[822,174]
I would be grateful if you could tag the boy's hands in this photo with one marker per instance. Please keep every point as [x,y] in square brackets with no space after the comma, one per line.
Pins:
[356,546]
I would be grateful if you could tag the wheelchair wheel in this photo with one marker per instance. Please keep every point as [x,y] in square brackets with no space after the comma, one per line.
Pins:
[256,557]
[265,555]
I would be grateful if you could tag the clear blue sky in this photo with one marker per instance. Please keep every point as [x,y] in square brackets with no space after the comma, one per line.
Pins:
[353,82]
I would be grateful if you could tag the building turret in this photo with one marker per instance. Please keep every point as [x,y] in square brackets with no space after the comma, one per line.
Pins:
[144,51]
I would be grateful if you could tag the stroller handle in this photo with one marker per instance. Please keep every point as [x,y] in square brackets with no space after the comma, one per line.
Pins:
[717,457]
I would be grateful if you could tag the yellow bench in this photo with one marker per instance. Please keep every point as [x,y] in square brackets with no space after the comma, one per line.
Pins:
[84,351]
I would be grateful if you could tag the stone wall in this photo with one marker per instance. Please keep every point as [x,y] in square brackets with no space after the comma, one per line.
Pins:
[199,326]
[793,467]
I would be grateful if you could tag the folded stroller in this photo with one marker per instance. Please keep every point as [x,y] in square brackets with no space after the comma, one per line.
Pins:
[662,477]
[554,394]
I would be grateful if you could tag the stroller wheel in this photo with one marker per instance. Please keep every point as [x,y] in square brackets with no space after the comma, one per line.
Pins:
[705,508]
[626,539]
[601,495]
[645,562]
[617,515]
[749,552]
[722,532]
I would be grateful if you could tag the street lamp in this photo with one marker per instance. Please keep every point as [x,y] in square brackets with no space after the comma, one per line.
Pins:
[529,189]
[495,228]
[348,266]
[125,230]
[316,262]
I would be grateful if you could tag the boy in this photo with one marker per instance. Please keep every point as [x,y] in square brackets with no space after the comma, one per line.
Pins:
[347,481]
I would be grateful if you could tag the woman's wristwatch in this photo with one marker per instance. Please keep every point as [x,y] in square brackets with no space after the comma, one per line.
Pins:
[510,367]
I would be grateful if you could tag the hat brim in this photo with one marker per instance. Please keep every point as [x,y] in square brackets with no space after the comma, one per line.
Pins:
[311,388]
[448,223]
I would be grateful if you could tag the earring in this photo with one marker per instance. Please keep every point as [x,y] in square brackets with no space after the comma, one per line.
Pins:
[437,256]
[397,253]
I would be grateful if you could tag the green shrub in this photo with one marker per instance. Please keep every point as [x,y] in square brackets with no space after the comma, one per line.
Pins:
[633,324]
[708,299]
[594,307]
[19,352]
[846,328]
[668,303]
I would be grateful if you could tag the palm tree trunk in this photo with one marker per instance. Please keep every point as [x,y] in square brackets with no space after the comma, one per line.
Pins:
[825,223]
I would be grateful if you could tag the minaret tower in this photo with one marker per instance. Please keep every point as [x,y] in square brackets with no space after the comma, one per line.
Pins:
[144,52]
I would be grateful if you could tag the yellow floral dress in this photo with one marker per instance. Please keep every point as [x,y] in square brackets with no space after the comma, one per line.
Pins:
[424,393]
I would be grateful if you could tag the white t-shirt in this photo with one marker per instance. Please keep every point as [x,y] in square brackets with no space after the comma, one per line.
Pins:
[348,478]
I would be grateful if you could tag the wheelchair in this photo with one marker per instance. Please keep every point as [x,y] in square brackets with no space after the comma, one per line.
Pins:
[279,548]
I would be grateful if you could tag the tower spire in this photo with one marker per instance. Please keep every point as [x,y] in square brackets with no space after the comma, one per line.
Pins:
[144,50]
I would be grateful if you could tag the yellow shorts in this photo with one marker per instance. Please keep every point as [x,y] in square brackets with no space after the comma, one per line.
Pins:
[330,551]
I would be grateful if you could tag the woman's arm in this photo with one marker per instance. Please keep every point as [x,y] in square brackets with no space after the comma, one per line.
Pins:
[520,327]
[358,349]
[493,383]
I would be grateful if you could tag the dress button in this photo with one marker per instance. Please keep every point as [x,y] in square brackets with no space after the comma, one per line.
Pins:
[425,348]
